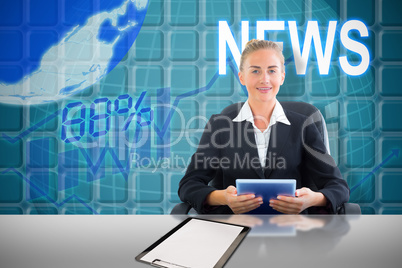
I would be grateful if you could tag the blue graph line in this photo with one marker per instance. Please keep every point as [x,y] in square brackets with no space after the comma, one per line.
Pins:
[160,133]
[95,168]
[58,205]
[395,152]
[229,61]
[31,129]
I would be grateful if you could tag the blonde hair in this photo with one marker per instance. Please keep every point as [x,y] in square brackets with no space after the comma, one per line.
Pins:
[256,44]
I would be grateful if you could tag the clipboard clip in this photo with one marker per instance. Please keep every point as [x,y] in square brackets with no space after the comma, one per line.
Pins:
[164,264]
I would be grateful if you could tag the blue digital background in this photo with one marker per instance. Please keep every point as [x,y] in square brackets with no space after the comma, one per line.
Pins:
[74,156]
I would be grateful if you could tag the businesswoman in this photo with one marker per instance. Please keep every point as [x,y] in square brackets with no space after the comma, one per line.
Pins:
[263,140]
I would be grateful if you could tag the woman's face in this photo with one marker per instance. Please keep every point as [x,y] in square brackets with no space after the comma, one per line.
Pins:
[262,75]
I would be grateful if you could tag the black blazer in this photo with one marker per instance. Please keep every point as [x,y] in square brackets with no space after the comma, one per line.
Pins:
[227,151]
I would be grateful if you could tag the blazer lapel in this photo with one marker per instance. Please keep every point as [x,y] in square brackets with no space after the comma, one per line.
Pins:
[279,136]
[249,147]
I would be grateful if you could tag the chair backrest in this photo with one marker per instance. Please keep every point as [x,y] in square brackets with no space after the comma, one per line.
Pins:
[308,110]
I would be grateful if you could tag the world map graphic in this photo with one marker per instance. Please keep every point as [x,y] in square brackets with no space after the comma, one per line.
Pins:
[80,47]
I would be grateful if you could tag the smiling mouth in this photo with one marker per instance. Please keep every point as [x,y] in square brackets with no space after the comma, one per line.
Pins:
[264,89]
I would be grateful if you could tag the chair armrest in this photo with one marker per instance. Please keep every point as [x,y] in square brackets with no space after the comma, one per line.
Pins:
[350,209]
[180,209]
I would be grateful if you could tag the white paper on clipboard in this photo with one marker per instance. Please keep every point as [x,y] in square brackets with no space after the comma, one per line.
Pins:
[199,243]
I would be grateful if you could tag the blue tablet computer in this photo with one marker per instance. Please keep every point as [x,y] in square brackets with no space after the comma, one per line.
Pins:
[267,189]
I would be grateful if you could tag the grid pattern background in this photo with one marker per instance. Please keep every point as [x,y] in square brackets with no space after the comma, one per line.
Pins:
[176,52]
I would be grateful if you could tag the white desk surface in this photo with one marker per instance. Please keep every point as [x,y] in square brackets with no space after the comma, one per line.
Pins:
[114,241]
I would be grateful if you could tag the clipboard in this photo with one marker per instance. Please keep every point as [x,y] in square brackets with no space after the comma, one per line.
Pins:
[195,243]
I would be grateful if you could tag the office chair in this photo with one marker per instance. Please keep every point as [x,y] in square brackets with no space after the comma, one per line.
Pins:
[315,117]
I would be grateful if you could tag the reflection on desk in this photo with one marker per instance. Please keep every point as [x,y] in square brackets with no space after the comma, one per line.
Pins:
[286,225]
[286,239]
[278,241]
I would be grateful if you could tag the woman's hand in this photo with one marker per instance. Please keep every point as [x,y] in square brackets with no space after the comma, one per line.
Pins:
[304,199]
[238,204]
[242,203]
[300,222]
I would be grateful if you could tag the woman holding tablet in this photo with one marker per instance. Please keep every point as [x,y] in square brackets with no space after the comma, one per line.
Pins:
[262,140]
